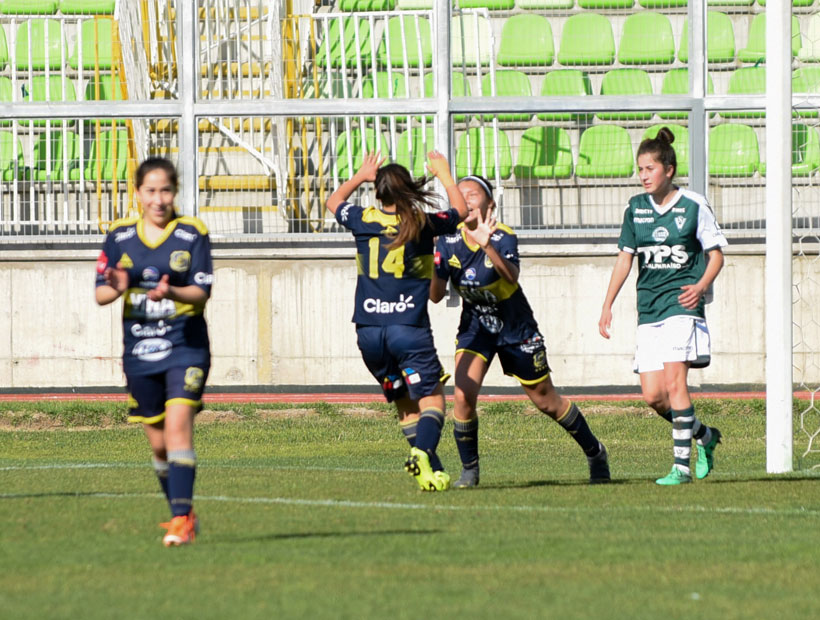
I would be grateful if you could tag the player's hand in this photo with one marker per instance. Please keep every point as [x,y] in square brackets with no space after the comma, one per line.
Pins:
[116,278]
[161,290]
[438,166]
[485,226]
[370,166]
[690,297]
[605,322]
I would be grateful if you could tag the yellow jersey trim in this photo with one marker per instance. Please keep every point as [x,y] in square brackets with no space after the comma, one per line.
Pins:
[153,419]
[169,228]
[471,352]
[125,221]
[197,223]
[525,382]
[372,215]
[506,229]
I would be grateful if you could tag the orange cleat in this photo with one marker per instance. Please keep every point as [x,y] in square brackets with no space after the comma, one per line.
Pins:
[181,530]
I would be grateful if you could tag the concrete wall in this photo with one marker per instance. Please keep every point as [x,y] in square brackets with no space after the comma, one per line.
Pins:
[282,317]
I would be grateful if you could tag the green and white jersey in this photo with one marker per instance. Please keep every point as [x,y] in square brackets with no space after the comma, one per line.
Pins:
[670,242]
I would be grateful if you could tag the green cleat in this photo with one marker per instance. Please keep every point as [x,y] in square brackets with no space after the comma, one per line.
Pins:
[418,466]
[674,478]
[706,455]
[468,479]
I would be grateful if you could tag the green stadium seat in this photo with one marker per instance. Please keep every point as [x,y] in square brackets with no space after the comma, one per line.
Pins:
[480,143]
[795,3]
[411,5]
[97,45]
[321,89]
[746,81]
[806,80]
[647,39]
[49,150]
[544,153]
[412,149]
[626,82]
[720,46]
[107,88]
[4,49]
[526,40]
[605,151]
[104,150]
[755,50]
[546,4]
[733,151]
[460,88]
[605,4]
[805,151]
[418,38]
[28,7]
[731,2]
[676,82]
[47,88]
[367,5]
[352,145]
[382,88]
[810,51]
[681,144]
[7,156]
[662,4]
[566,83]
[509,83]
[587,40]
[470,37]
[493,5]
[42,57]
[87,7]
[335,34]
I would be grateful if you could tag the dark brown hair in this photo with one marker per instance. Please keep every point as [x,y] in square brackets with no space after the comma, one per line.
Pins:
[395,186]
[156,163]
[661,147]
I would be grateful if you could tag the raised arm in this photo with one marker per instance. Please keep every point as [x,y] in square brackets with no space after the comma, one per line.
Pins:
[623,266]
[440,168]
[367,172]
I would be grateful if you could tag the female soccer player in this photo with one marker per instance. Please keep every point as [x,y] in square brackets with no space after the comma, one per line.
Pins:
[678,242]
[160,263]
[481,261]
[394,256]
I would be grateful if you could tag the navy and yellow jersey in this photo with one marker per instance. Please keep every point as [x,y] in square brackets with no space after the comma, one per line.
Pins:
[670,242]
[158,335]
[491,304]
[393,285]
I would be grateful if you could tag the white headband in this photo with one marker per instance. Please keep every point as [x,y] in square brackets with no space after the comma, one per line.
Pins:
[481,182]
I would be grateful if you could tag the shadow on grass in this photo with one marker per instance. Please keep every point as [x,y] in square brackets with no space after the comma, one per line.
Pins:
[307,535]
[528,484]
[773,478]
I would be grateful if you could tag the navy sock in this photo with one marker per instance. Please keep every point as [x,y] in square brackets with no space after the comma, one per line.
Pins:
[428,434]
[576,425]
[409,429]
[466,435]
[181,474]
[161,469]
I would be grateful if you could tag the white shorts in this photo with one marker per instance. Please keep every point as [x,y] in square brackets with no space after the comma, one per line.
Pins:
[675,339]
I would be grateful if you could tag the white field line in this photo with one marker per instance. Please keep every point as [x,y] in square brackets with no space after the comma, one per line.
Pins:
[342,503]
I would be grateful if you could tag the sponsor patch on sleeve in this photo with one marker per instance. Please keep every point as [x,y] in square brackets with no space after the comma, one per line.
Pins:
[102,263]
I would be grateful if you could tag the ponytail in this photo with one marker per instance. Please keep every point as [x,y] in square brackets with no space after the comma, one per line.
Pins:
[395,186]
[661,147]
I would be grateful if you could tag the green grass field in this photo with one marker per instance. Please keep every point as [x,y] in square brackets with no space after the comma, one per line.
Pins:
[307,513]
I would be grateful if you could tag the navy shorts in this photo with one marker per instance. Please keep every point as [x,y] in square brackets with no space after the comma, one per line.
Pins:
[402,358]
[149,395]
[526,361]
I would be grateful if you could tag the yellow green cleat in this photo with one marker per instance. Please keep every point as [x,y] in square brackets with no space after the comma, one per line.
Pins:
[418,466]
[706,455]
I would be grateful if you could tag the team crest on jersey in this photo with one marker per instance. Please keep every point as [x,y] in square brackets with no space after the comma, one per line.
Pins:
[470,274]
[660,234]
[680,222]
[454,262]
[180,260]
[488,263]
[194,378]
[125,262]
